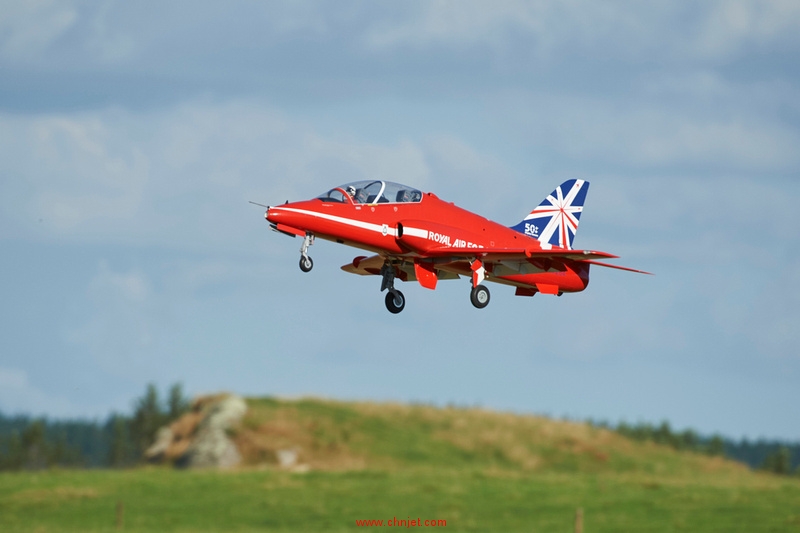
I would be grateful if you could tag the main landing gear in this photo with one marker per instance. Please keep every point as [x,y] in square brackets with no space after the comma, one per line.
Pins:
[395,301]
[306,263]
[479,296]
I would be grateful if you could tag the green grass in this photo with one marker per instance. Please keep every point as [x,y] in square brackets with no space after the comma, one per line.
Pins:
[168,500]
[478,471]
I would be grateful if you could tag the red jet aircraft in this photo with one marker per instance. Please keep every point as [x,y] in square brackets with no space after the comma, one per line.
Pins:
[417,236]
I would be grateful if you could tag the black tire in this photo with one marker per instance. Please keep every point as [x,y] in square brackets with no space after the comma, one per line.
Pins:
[479,296]
[306,264]
[395,302]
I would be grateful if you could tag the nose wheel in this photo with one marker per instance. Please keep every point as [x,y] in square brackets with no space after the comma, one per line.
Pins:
[395,301]
[306,264]
[479,296]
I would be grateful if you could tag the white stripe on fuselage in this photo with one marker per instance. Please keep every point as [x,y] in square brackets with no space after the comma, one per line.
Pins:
[411,232]
[415,232]
[349,221]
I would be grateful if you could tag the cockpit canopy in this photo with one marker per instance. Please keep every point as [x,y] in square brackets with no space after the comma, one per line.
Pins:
[372,192]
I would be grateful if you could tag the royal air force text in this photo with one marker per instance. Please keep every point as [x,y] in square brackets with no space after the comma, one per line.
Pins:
[454,243]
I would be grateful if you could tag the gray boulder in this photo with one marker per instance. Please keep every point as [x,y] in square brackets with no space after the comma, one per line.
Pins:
[210,446]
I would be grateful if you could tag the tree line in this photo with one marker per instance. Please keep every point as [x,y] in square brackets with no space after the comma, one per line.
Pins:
[118,441]
[771,455]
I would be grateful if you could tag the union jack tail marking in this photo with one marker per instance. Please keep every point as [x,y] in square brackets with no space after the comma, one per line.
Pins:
[555,220]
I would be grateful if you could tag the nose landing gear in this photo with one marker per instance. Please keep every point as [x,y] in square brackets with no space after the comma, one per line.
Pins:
[395,301]
[306,263]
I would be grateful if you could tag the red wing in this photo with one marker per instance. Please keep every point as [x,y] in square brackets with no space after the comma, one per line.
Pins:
[492,255]
[365,266]
[505,254]
[371,265]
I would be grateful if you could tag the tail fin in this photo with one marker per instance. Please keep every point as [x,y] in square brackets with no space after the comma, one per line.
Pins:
[555,220]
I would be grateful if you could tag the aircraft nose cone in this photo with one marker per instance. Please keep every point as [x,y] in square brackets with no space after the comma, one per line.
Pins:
[276,214]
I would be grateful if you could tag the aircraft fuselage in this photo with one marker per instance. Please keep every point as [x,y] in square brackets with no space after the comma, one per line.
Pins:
[414,231]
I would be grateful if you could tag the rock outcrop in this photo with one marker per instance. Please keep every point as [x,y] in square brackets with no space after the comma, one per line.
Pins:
[199,438]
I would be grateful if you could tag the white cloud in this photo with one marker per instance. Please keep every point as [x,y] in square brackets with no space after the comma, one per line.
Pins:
[177,177]
[111,33]
[733,24]
[106,39]
[28,28]
[454,22]
[623,30]
[69,171]
[653,134]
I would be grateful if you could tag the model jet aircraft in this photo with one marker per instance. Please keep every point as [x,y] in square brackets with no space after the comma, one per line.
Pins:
[417,236]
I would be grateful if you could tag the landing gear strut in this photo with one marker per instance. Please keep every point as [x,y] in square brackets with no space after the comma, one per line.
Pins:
[306,263]
[395,301]
[479,296]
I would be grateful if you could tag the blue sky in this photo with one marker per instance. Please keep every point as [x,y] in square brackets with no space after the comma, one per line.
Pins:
[132,136]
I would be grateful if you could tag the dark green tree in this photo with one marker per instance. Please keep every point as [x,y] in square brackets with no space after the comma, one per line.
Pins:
[687,440]
[119,453]
[148,416]
[14,457]
[716,446]
[663,434]
[779,461]
[59,452]
[177,404]
[34,447]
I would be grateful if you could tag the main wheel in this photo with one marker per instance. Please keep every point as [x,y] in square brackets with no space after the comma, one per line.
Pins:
[306,264]
[395,301]
[479,296]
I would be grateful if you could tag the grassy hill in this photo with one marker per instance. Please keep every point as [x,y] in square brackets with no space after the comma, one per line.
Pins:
[475,469]
[340,435]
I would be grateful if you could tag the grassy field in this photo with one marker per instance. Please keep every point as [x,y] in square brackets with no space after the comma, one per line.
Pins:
[479,471]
